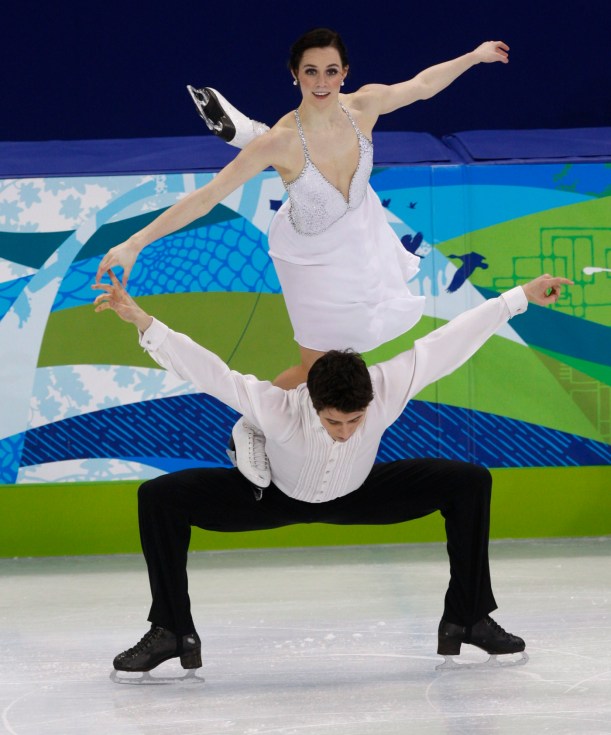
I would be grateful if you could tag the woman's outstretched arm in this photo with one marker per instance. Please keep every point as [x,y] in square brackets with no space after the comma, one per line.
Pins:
[380,99]
[264,152]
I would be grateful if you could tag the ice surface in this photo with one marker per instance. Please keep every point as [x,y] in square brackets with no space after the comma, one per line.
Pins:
[309,642]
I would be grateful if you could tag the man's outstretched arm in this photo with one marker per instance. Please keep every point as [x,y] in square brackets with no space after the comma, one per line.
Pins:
[257,400]
[444,350]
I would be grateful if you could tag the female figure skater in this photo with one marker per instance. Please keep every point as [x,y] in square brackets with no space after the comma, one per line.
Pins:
[342,269]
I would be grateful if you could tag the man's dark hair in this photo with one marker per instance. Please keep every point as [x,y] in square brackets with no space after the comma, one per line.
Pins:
[340,380]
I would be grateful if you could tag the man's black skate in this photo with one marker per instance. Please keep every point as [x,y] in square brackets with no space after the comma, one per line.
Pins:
[157,646]
[485,634]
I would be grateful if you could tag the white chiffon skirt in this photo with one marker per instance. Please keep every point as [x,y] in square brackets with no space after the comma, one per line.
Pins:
[347,287]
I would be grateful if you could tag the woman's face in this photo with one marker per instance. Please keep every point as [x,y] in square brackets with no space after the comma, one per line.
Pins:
[320,74]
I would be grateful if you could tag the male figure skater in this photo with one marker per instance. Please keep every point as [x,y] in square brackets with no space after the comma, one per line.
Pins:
[322,439]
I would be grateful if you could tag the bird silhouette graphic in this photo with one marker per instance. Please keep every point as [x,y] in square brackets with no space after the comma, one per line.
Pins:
[470,262]
[412,243]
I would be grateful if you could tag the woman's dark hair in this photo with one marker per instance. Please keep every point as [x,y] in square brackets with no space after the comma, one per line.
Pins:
[316,38]
[340,380]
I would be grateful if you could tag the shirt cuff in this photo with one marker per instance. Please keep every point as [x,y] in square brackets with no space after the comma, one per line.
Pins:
[154,335]
[516,301]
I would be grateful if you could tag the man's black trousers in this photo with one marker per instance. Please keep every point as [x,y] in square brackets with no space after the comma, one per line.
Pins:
[223,500]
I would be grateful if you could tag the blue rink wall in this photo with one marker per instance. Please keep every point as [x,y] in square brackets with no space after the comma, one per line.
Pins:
[86,416]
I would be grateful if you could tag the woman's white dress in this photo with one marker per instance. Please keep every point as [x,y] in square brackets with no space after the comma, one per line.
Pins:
[342,268]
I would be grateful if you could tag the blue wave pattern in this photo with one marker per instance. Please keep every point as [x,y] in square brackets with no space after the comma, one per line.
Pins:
[9,292]
[175,428]
[438,430]
[228,256]
[191,427]
[10,452]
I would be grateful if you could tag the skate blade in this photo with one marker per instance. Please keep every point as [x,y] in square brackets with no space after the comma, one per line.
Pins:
[212,113]
[492,662]
[145,678]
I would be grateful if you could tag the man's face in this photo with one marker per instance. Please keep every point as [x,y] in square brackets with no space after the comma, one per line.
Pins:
[339,425]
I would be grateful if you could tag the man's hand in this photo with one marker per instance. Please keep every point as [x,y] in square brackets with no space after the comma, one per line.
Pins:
[115,297]
[545,290]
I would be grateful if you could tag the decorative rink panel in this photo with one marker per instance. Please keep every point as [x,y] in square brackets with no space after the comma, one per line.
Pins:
[81,402]
[73,414]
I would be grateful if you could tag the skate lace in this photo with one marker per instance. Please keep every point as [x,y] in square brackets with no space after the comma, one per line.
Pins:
[497,628]
[146,641]
[256,451]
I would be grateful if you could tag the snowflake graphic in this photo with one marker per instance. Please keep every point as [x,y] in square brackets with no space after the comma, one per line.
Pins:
[50,408]
[124,376]
[29,227]
[107,402]
[151,385]
[79,185]
[71,207]
[29,194]
[10,211]
[72,387]
[55,186]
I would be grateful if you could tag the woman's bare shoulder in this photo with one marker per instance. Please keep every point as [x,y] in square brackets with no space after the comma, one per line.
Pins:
[286,124]
[364,99]
[362,106]
[284,132]
[280,146]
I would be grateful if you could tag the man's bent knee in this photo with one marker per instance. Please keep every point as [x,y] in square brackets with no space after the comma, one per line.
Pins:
[481,476]
[473,479]
[153,491]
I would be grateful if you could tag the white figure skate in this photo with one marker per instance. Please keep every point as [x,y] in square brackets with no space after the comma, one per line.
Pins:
[223,119]
[247,452]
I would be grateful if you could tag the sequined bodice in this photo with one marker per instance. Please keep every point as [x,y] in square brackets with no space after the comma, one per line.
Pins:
[315,203]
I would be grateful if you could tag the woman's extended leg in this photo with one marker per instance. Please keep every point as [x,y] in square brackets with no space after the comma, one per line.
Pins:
[298,374]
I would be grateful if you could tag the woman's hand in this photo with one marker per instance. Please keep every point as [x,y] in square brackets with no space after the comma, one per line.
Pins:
[490,51]
[115,297]
[123,255]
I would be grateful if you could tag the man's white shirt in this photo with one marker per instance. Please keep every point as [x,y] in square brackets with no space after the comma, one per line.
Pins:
[306,463]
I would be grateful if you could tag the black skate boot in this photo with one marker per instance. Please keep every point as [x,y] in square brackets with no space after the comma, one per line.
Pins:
[157,646]
[485,634]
